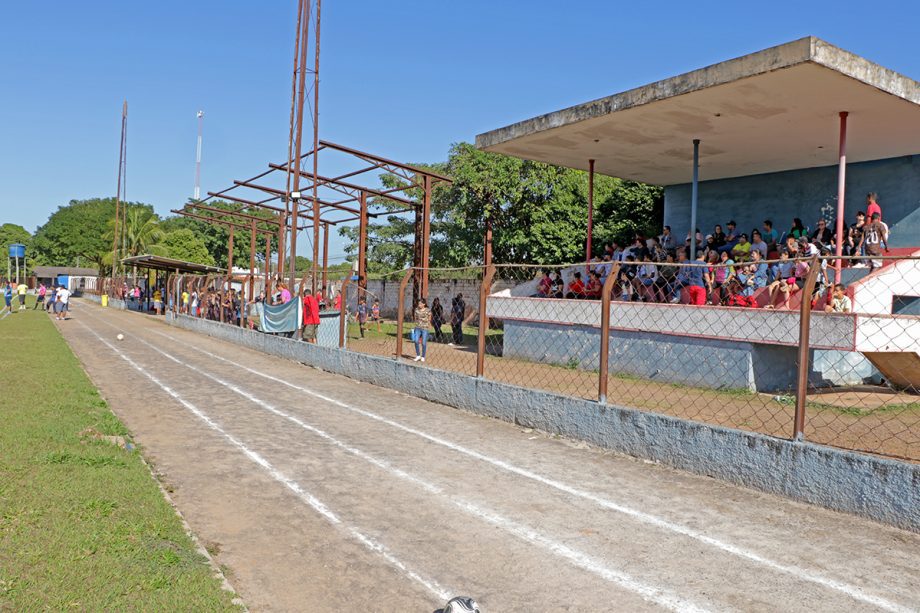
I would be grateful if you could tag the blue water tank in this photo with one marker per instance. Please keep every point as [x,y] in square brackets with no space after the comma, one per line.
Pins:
[17,251]
[63,280]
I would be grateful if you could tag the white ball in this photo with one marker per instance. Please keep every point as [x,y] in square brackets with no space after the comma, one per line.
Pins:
[120,337]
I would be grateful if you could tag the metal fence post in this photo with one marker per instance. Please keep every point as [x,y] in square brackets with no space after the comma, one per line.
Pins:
[343,310]
[484,289]
[401,311]
[603,366]
[798,432]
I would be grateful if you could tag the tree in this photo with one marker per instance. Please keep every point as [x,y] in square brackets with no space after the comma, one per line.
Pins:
[11,234]
[78,233]
[538,213]
[183,244]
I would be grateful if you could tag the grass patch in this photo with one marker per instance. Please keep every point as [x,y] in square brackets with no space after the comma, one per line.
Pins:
[82,523]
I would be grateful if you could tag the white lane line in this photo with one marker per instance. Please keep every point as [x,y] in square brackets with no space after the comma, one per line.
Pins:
[578,558]
[796,572]
[369,543]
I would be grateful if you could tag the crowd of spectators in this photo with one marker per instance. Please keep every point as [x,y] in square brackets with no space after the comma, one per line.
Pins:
[730,266]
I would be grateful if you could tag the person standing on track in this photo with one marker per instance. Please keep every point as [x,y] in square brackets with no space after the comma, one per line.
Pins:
[457,312]
[40,298]
[420,332]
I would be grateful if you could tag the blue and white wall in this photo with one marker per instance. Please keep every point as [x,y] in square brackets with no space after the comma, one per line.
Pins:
[809,193]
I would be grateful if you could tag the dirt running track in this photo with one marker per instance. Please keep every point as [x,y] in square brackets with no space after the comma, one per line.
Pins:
[319,493]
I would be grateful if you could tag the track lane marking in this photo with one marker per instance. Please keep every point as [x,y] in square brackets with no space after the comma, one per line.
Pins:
[318,506]
[659,596]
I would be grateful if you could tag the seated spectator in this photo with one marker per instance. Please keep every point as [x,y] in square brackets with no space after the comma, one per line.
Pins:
[594,287]
[545,287]
[731,238]
[710,244]
[558,286]
[792,247]
[627,274]
[840,302]
[798,229]
[759,245]
[742,250]
[667,273]
[644,282]
[681,278]
[576,287]
[854,235]
[807,249]
[759,269]
[656,252]
[718,236]
[770,237]
[782,269]
[822,233]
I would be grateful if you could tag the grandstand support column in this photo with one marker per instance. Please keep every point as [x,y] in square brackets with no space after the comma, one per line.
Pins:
[801,389]
[362,245]
[603,364]
[426,233]
[694,197]
[590,210]
[268,261]
[325,256]
[343,311]
[841,193]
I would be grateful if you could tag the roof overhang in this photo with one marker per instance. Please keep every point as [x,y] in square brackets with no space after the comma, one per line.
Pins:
[156,262]
[773,110]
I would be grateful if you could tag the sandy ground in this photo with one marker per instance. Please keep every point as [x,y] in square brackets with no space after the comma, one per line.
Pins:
[319,493]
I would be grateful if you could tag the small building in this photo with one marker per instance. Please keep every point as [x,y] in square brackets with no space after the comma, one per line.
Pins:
[76,279]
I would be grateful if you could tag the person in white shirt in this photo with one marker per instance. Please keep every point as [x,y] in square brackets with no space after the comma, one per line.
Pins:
[61,305]
[840,302]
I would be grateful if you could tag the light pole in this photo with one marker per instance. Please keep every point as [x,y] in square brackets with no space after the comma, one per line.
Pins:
[198,158]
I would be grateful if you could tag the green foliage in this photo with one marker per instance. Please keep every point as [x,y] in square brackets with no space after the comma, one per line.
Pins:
[78,233]
[183,244]
[11,234]
[538,212]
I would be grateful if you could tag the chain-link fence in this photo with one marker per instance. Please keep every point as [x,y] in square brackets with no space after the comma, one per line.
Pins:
[793,348]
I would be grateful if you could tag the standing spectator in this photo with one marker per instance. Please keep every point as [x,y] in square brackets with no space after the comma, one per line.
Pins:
[874,236]
[665,239]
[337,303]
[21,289]
[285,296]
[437,320]
[769,235]
[457,313]
[666,277]
[375,313]
[8,296]
[321,298]
[62,305]
[695,284]
[361,314]
[420,332]
[872,206]
[681,277]
[40,299]
[840,302]
[157,301]
[822,233]
[310,317]
[185,299]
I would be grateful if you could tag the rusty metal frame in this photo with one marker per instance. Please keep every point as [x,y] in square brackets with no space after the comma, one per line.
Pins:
[484,289]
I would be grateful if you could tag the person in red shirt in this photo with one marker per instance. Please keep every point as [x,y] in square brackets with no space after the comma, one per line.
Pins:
[872,206]
[594,288]
[310,317]
[576,287]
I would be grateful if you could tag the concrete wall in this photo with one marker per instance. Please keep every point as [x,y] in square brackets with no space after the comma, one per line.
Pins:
[881,490]
[810,194]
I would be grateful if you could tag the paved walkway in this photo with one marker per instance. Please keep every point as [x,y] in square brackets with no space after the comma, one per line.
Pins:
[319,493]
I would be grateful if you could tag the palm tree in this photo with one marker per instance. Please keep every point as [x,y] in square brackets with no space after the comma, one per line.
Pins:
[142,235]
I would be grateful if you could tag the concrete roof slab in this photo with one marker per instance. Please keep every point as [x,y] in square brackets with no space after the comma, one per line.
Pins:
[769,111]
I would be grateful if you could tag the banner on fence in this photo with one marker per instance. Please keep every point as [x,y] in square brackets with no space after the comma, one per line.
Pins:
[281,317]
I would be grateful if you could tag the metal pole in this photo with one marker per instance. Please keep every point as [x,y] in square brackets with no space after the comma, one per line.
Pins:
[325,256]
[694,197]
[121,157]
[316,211]
[268,262]
[294,163]
[487,247]
[198,158]
[342,311]
[362,245]
[401,311]
[801,390]
[426,234]
[252,257]
[590,209]
[484,289]
[604,365]
[841,193]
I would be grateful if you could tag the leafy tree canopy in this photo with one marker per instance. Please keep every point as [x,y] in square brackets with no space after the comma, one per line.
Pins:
[11,234]
[184,244]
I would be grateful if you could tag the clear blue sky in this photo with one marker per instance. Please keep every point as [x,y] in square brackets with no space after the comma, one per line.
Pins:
[403,79]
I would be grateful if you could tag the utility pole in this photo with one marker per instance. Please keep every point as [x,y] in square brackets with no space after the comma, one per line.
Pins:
[198,159]
[122,166]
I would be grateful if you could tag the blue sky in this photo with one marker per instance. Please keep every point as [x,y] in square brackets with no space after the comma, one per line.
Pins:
[402,79]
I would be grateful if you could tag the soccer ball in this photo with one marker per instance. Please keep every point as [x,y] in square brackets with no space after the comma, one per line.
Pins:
[120,336]
[461,604]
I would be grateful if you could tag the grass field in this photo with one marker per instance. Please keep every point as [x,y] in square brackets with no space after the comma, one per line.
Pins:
[83,524]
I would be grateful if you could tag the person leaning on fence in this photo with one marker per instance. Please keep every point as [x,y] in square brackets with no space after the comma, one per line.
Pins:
[437,320]
[840,302]
[310,317]
[457,313]
[422,318]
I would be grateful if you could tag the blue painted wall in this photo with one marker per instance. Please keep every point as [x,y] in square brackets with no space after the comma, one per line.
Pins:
[809,193]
